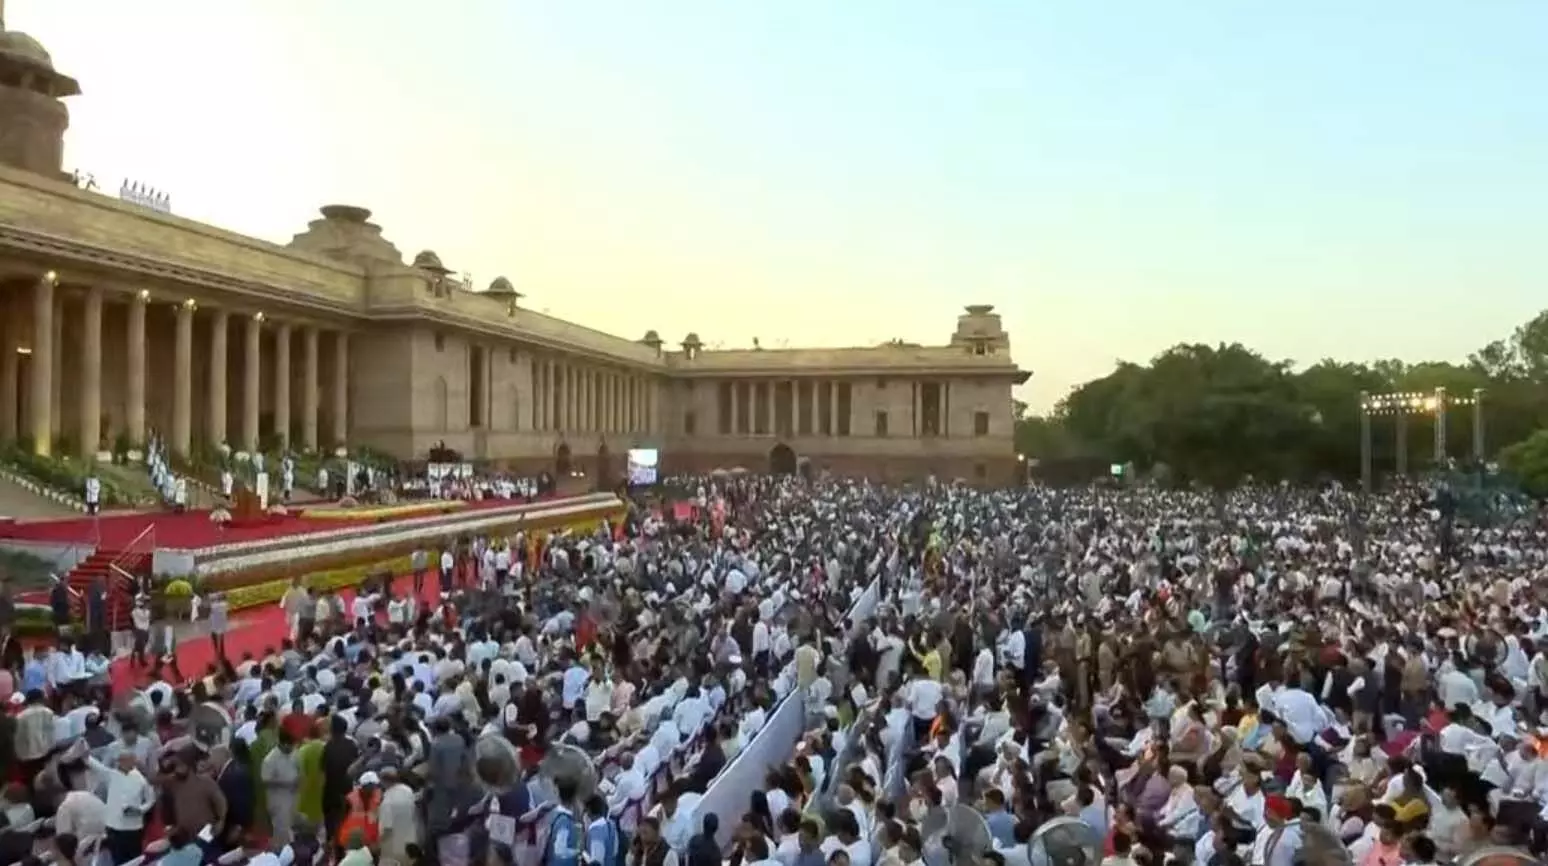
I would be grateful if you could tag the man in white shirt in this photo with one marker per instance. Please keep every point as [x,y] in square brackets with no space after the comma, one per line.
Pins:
[129,798]
[628,786]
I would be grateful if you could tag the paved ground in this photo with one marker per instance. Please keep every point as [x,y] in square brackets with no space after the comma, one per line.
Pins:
[23,504]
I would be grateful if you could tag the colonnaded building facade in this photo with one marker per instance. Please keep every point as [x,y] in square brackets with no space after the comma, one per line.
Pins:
[116,319]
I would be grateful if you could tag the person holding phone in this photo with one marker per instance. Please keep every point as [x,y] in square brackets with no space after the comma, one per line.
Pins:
[130,798]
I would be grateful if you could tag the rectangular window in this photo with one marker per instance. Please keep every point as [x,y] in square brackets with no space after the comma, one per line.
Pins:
[881,425]
[690,424]
[980,423]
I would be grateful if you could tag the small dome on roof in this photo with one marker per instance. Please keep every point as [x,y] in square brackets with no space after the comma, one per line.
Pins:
[652,338]
[427,260]
[500,286]
[23,47]
[692,340]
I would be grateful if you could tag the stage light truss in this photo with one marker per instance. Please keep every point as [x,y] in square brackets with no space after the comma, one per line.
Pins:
[1413,402]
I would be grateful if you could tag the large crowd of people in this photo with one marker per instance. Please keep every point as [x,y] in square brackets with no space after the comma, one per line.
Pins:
[1260,677]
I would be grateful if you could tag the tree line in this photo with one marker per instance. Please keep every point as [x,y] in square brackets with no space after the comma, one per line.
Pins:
[1219,414]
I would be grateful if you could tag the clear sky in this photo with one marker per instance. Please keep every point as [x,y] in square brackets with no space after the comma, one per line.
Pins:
[1320,178]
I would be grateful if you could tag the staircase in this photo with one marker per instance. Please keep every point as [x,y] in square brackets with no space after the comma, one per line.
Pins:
[121,588]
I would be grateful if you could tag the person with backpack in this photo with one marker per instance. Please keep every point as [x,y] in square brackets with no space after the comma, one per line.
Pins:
[561,847]
[604,843]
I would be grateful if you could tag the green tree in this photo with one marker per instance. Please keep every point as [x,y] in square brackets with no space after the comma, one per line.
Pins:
[1217,413]
[1527,460]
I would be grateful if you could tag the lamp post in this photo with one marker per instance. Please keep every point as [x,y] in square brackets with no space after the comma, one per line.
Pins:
[1402,405]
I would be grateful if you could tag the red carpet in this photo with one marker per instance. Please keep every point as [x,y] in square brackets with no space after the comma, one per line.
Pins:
[253,631]
[187,531]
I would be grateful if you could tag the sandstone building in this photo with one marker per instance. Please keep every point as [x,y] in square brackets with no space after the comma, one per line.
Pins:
[116,318]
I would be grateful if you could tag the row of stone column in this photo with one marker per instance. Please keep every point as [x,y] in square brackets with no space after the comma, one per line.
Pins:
[745,391]
[44,392]
[252,382]
[569,397]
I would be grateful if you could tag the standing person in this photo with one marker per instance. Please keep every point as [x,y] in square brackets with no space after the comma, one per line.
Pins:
[93,494]
[219,622]
[164,650]
[399,817]
[130,798]
[419,562]
[96,615]
[281,777]
[295,604]
[59,605]
[140,619]
[338,756]
[448,568]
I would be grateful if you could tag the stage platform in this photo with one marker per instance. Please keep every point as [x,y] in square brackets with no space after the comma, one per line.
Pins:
[193,530]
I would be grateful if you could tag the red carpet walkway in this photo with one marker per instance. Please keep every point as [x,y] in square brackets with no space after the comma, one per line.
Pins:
[187,531]
[253,631]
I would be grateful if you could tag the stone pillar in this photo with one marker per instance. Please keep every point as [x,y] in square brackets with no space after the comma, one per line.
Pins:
[813,399]
[340,388]
[282,385]
[833,409]
[134,358]
[42,384]
[539,394]
[594,401]
[91,373]
[56,378]
[736,408]
[219,328]
[10,367]
[771,404]
[561,404]
[182,380]
[588,383]
[946,408]
[309,389]
[252,381]
[571,405]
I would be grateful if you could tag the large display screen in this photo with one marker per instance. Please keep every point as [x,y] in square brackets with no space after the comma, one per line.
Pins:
[642,466]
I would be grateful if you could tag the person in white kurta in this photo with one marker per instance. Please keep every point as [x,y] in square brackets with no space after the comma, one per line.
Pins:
[281,778]
[93,494]
[399,818]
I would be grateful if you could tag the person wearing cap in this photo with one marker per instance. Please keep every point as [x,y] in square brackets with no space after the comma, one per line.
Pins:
[362,817]
[1280,839]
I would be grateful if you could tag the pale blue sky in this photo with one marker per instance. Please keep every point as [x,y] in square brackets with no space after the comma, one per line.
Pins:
[1358,179]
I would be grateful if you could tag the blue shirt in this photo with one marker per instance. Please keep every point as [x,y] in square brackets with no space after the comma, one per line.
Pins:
[602,842]
[563,847]
[1002,827]
[34,675]
[1095,817]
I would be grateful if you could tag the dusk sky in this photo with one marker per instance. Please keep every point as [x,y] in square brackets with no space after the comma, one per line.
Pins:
[1323,178]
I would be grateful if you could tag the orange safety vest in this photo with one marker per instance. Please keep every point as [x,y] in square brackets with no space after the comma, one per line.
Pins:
[364,818]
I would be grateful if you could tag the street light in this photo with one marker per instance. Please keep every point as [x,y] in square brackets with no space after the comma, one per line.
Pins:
[1402,405]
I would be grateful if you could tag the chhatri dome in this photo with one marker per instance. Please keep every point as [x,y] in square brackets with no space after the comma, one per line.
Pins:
[31,104]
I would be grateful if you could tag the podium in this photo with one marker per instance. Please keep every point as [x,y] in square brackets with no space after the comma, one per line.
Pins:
[246,509]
